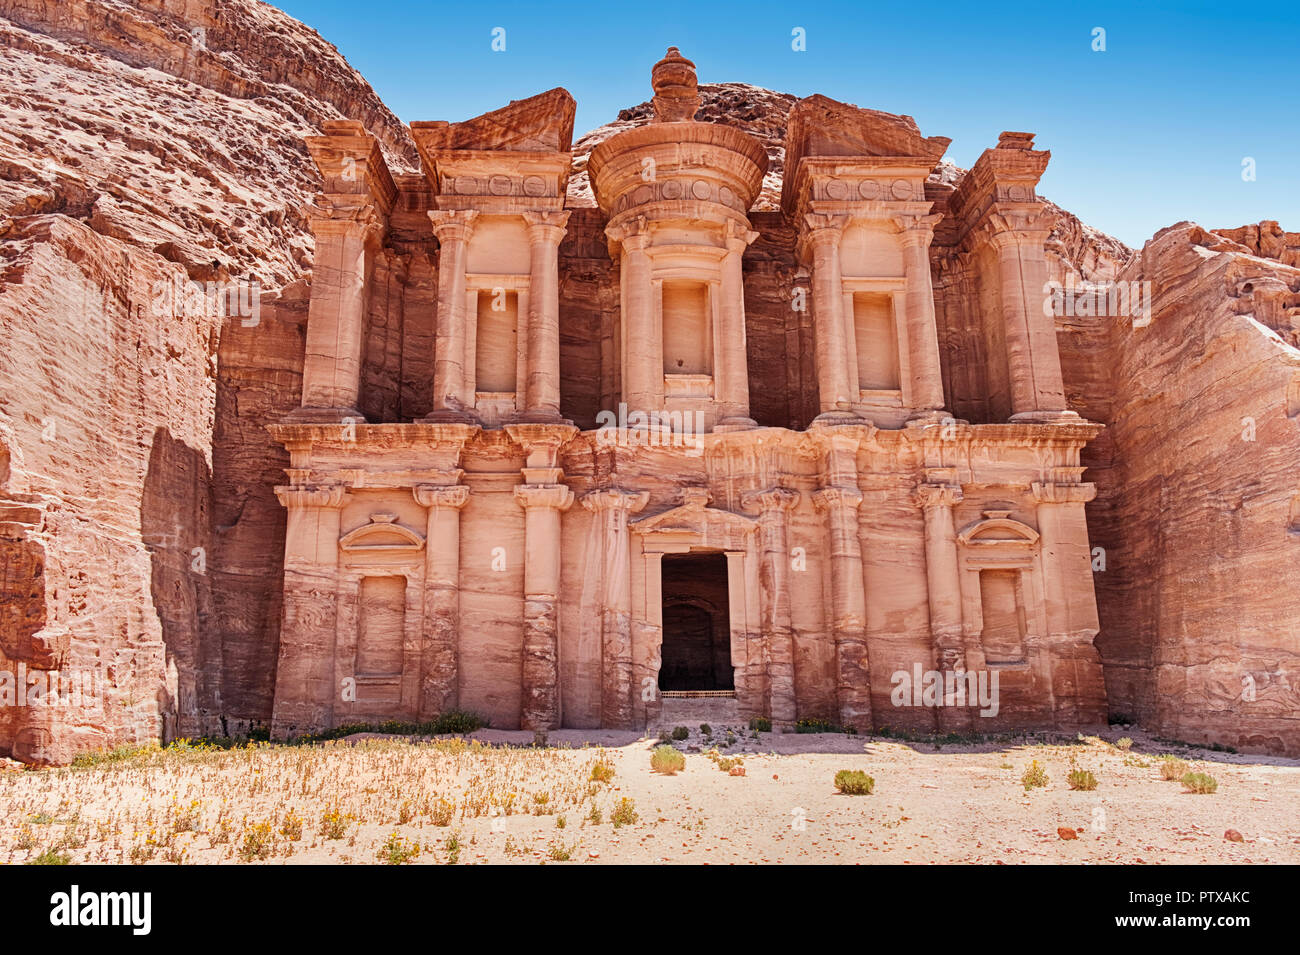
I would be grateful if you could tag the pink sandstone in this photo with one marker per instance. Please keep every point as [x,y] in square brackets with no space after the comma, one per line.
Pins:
[387,486]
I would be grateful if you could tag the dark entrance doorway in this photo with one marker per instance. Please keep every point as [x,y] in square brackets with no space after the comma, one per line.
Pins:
[697,627]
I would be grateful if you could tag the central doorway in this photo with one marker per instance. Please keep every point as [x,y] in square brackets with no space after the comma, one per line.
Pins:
[696,651]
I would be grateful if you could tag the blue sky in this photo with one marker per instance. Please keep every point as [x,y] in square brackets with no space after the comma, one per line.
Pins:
[1152,131]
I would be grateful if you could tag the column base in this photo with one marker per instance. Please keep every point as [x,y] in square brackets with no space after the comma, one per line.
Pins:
[539,417]
[736,423]
[837,418]
[930,416]
[449,416]
[1046,417]
[317,415]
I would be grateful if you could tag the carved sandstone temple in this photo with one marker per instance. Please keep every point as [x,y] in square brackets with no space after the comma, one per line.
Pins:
[552,513]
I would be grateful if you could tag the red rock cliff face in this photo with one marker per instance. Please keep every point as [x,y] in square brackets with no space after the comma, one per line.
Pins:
[154,142]
[144,145]
[1198,506]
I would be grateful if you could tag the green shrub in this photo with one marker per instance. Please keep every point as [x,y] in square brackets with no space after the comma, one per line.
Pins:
[854,782]
[458,721]
[665,759]
[1082,779]
[1035,776]
[559,852]
[108,757]
[680,732]
[760,724]
[334,824]
[1124,743]
[1199,783]
[706,729]
[813,726]
[602,772]
[259,842]
[399,851]
[1172,768]
[51,857]
[624,813]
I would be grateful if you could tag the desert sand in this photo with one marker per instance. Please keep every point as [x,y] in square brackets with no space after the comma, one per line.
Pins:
[496,798]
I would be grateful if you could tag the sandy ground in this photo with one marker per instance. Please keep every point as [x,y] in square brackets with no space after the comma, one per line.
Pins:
[502,801]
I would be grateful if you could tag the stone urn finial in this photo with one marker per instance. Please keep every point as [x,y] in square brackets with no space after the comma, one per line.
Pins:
[677,94]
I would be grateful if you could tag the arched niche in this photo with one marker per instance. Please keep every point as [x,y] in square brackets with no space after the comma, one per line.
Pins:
[382,536]
[1003,606]
[378,641]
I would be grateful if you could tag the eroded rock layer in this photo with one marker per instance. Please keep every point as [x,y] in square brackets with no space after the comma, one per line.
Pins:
[151,143]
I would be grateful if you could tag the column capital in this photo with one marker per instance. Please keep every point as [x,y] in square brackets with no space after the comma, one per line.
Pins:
[826,498]
[342,219]
[1048,493]
[615,498]
[632,233]
[546,224]
[556,496]
[916,229]
[937,495]
[311,495]
[541,441]
[1007,228]
[738,237]
[441,495]
[779,499]
[452,225]
[823,226]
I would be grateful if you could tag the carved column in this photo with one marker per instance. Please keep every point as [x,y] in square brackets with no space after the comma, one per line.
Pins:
[440,654]
[944,583]
[773,506]
[643,363]
[544,498]
[305,686]
[1078,688]
[611,506]
[848,605]
[922,329]
[1033,359]
[836,390]
[453,358]
[543,505]
[346,239]
[542,378]
[731,370]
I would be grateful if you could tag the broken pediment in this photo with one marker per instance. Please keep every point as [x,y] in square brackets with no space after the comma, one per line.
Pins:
[694,524]
[998,528]
[541,123]
[822,127]
[828,133]
[383,534]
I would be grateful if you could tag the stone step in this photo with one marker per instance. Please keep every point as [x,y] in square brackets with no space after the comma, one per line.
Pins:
[691,711]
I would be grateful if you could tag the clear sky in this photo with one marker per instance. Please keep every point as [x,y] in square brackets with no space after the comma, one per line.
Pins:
[1149,132]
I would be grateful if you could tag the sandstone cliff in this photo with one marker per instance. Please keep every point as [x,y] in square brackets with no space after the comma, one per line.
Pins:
[176,126]
[1198,506]
[153,142]
[146,144]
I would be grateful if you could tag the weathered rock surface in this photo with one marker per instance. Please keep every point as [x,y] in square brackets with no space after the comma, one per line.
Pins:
[176,127]
[1198,506]
[106,417]
[146,143]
